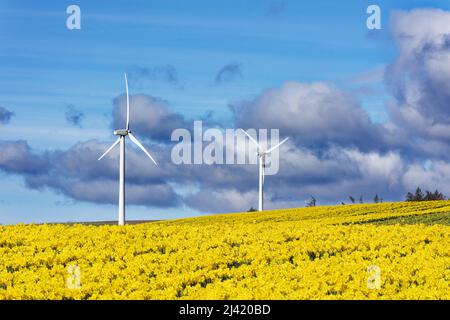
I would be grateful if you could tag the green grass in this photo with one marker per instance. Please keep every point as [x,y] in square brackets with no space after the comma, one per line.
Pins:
[427,219]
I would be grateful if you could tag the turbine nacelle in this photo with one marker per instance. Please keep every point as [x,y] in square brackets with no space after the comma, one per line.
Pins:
[121,132]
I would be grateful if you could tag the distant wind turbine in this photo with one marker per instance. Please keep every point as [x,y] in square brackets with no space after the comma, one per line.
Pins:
[122,133]
[261,152]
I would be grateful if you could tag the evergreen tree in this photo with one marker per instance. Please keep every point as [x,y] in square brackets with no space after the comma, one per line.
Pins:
[376,199]
[311,202]
[418,196]
[432,196]
[409,197]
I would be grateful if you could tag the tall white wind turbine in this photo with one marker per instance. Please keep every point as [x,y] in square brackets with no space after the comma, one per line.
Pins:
[261,152]
[122,133]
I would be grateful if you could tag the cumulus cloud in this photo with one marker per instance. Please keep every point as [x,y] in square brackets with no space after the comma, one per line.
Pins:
[74,116]
[149,116]
[77,174]
[329,176]
[431,178]
[314,114]
[17,157]
[419,80]
[334,174]
[5,115]
[228,73]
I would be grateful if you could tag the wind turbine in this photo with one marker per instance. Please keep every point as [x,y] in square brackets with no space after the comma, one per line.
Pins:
[122,133]
[261,153]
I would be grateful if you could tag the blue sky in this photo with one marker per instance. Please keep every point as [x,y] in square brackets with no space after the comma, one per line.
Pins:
[47,67]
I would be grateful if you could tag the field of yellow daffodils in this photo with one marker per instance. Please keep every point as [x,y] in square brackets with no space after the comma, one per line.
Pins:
[379,251]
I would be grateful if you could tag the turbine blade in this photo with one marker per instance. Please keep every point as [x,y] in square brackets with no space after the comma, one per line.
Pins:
[278,145]
[253,140]
[110,148]
[136,142]
[128,103]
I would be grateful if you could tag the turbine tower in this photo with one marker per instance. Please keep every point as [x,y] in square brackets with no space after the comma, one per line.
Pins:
[122,133]
[261,153]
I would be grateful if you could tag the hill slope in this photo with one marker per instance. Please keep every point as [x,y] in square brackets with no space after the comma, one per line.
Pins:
[383,251]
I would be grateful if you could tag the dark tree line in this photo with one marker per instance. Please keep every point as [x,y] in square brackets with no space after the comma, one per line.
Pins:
[418,195]
[427,196]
